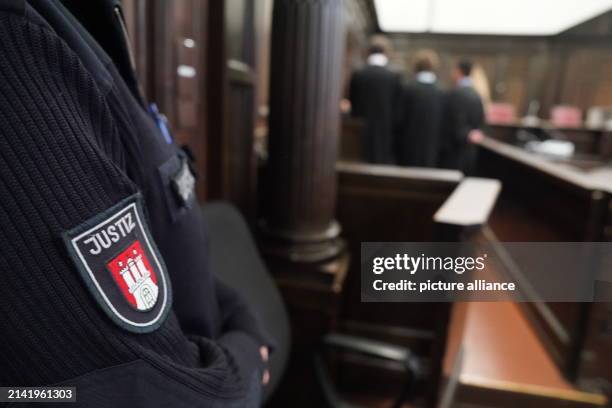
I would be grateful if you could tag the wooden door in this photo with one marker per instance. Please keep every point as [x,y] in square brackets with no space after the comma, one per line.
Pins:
[169,40]
[232,102]
[196,61]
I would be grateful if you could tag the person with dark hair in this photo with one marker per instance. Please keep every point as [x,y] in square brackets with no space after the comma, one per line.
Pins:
[465,68]
[463,119]
[422,107]
[375,93]
[376,49]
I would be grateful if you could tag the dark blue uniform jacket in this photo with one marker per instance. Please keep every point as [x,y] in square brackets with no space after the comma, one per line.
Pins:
[76,139]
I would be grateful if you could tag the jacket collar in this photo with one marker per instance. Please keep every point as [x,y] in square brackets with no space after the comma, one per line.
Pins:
[380,60]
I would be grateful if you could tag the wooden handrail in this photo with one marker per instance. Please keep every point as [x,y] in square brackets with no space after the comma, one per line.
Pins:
[381,170]
[470,204]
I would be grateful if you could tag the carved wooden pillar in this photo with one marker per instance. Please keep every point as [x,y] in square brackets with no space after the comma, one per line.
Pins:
[300,234]
[306,67]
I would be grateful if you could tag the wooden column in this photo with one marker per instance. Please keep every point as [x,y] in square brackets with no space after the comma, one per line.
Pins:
[300,234]
[306,68]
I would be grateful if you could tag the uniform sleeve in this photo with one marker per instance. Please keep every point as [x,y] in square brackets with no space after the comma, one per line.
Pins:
[61,163]
[237,315]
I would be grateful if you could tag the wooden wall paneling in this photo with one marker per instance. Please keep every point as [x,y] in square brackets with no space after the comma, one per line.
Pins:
[571,68]
[177,66]
[215,97]
[263,30]
[452,47]
[603,90]
[517,77]
[597,27]
[553,84]
[575,86]
[551,76]
[360,22]
[586,75]
[164,67]
[537,77]
[231,103]
[138,16]
[240,178]
[169,42]
[185,70]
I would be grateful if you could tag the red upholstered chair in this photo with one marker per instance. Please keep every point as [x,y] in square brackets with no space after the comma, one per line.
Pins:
[501,114]
[566,116]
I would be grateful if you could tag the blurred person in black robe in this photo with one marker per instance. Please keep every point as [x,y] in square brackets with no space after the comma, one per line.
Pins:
[375,94]
[463,119]
[418,142]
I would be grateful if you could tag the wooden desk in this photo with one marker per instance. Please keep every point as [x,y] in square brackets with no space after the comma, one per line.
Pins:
[588,141]
[545,201]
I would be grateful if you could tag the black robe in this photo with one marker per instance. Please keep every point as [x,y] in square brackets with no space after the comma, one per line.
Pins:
[418,142]
[375,94]
[463,113]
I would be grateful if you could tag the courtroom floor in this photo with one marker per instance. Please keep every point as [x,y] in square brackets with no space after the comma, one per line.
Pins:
[505,362]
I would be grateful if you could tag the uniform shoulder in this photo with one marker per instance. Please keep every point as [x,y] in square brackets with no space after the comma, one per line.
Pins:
[18,13]
[13,7]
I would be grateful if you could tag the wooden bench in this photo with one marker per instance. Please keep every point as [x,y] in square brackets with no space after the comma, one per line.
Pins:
[390,203]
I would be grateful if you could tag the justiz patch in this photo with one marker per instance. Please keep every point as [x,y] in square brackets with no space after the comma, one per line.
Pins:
[121,266]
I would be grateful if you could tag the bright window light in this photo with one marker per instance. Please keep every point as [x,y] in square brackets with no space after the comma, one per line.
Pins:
[502,17]
[403,15]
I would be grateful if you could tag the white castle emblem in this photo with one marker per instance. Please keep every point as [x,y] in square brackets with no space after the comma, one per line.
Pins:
[139,283]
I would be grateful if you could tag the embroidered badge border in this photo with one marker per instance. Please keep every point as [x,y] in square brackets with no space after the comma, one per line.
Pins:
[71,238]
